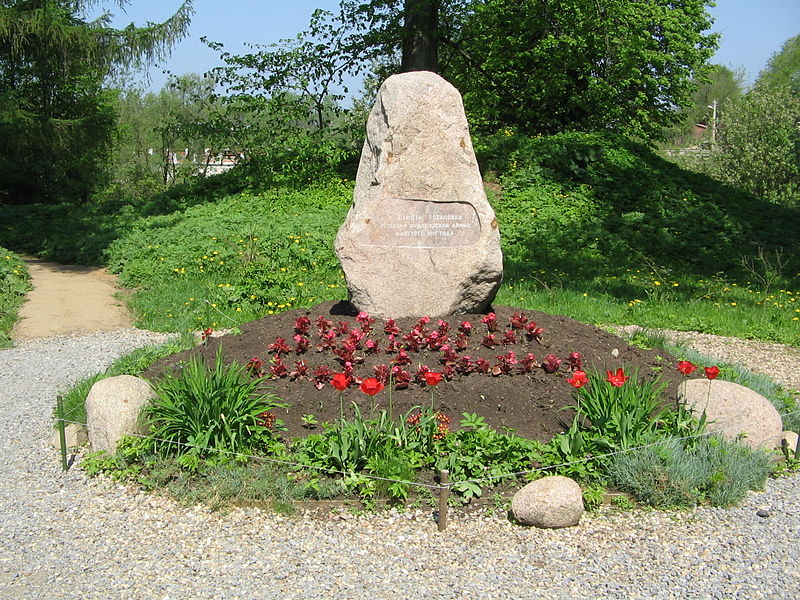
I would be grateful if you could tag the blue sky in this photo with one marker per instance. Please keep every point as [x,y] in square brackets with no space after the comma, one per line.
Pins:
[752,30]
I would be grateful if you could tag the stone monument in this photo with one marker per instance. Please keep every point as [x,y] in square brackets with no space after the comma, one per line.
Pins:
[420,237]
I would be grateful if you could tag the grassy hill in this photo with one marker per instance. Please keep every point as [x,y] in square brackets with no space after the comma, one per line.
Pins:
[593,226]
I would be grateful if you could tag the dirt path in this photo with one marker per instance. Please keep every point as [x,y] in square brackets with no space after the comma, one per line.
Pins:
[69,299]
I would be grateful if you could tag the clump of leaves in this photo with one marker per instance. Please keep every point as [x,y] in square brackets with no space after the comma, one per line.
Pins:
[202,411]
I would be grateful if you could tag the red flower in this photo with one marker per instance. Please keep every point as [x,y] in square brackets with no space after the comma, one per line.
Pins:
[465,327]
[301,325]
[617,380]
[371,386]
[579,379]
[340,381]
[712,372]
[551,363]
[575,361]
[432,378]
[490,341]
[206,334]
[256,367]
[266,419]
[391,328]
[490,321]
[686,367]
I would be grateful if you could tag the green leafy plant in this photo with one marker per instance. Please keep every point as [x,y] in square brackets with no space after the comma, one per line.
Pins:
[203,411]
[673,474]
[616,413]
[14,284]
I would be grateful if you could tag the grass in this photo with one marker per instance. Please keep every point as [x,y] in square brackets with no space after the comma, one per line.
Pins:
[593,227]
[14,284]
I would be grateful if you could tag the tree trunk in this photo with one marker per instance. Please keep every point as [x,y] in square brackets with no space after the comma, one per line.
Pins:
[420,36]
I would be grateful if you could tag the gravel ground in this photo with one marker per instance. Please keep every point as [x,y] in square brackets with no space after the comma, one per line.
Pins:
[62,536]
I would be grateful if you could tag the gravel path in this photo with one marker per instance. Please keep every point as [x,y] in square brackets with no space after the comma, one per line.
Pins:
[62,536]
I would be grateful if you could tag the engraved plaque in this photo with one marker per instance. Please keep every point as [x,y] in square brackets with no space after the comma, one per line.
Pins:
[416,223]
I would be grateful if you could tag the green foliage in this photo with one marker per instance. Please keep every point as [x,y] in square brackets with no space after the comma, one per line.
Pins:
[595,204]
[56,119]
[223,264]
[759,145]
[719,87]
[618,417]
[207,411]
[672,474]
[577,64]
[783,68]
[14,284]
[478,452]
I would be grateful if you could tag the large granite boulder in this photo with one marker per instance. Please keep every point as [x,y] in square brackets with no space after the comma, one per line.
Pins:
[734,411]
[550,502]
[113,407]
[420,237]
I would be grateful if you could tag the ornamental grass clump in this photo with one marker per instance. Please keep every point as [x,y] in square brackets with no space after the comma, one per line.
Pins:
[211,412]
[675,473]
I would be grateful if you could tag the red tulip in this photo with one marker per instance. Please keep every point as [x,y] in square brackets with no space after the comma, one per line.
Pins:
[686,367]
[712,372]
[432,378]
[617,380]
[371,386]
[579,379]
[340,381]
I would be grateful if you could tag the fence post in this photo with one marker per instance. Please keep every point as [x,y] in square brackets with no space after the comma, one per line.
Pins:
[61,434]
[444,494]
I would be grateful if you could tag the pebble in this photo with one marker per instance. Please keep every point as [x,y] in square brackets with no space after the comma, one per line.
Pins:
[68,537]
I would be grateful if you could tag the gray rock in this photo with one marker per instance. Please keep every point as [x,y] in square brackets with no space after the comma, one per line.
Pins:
[550,502]
[113,407]
[734,411]
[75,435]
[420,237]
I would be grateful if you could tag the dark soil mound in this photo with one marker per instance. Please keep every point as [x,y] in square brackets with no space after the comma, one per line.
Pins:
[529,403]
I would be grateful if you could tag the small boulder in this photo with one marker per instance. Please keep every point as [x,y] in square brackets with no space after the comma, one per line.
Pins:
[113,407]
[550,502]
[74,434]
[734,411]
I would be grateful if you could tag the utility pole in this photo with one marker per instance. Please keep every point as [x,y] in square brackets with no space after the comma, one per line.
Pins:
[713,107]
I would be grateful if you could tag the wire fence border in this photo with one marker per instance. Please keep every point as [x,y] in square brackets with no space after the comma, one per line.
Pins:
[441,486]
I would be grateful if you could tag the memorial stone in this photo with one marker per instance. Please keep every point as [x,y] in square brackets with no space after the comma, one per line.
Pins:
[420,237]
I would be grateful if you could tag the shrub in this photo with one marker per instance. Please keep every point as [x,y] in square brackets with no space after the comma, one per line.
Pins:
[14,284]
[676,474]
[204,412]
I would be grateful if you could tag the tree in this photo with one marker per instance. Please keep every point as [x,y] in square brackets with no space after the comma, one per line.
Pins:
[710,98]
[543,65]
[546,66]
[420,36]
[783,69]
[759,144]
[56,117]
